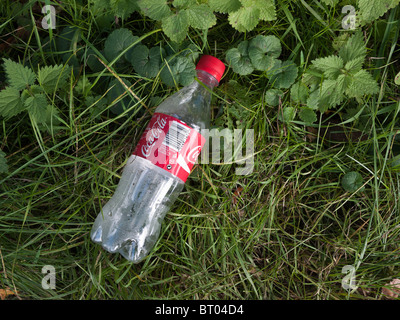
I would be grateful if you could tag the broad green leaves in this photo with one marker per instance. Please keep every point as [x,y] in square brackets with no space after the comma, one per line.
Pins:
[52,77]
[176,20]
[261,53]
[10,102]
[352,181]
[250,13]
[118,41]
[239,59]
[155,9]
[179,15]
[284,74]
[23,94]
[334,79]
[175,64]
[18,76]
[373,9]
[145,61]
[369,10]
[179,70]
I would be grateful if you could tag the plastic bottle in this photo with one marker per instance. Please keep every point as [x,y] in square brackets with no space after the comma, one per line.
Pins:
[156,172]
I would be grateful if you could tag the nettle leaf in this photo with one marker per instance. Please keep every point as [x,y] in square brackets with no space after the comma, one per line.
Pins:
[145,61]
[239,59]
[35,103]
[362,84]
[3,163]
[10,102]
[53,77]
[224,6]
[355,65]
[178,70]
[371,10]
[263,51]
[272,97]
[18,76]
[201,16]
[176,26]
[155,9]
[330,66]
[331,94]
[184,3]
[307,115]
[118,41]
[353,48]
[284,74]
[352,181]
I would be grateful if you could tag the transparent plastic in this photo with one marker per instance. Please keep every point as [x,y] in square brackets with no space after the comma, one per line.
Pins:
[130,222]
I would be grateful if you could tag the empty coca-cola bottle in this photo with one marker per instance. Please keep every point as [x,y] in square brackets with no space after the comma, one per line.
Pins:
[155,173]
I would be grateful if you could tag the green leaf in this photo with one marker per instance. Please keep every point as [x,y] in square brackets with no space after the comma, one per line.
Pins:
[331,66]
[245,19]
[352,181]
[371,10]
[284,74]
[119,95]
[313,101]
[330,2]
[10,102]
[397,79]
[263,51]
[353,48]
[35,104]
[124,8]
[239,60]
[145,61]
[18,76]
[201,16]
[176,26]
[287,114]
[224,6]
[299,92]
[331,94]
[355,65]
[272,97]
[183,3]
[118,41]
[308,115]
[178,70]
[52,77]
[362,84]
[155,9]
[267,10]
[3,163]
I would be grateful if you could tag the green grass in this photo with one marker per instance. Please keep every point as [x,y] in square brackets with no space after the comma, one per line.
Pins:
[283,232]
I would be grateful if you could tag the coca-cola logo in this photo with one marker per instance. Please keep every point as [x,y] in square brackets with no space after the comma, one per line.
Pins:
[193,154]
[153,134]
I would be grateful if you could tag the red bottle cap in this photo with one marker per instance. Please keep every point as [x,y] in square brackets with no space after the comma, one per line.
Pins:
[212,65]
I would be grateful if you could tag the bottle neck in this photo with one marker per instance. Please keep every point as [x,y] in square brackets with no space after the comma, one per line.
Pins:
[207,79]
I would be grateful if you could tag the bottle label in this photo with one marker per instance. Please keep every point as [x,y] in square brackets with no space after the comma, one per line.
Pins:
[170,144]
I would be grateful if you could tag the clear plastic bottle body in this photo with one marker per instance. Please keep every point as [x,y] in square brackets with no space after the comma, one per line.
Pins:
[130,222]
